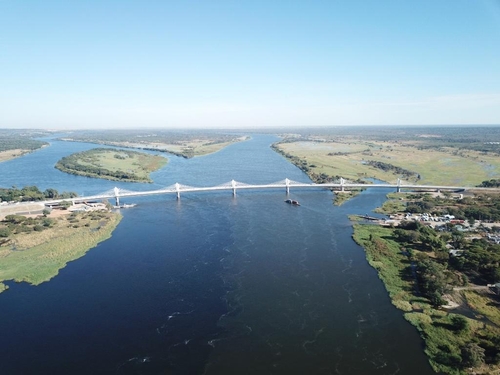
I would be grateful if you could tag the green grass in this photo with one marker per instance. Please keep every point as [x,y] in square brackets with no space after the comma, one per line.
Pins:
[391,206]
[348,159]
[483,305]
[111,164]
[64,243]
[442,343]
[342,197]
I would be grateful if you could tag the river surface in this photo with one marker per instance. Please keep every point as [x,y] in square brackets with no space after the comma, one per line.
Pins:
[209,284]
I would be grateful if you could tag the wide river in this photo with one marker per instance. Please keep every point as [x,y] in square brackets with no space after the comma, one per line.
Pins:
[209,284]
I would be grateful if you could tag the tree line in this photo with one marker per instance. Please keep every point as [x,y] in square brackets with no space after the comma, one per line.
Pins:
[32,193]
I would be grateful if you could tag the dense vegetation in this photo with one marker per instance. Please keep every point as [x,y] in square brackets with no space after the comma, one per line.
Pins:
[111,164]
[17,142]
[490,183]
[32,193]
[415,264]
[389,167]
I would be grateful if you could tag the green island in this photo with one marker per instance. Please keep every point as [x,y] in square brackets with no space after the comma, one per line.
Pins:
[33,248]
[183,144]
[441,273]
[16,143]
[112,164]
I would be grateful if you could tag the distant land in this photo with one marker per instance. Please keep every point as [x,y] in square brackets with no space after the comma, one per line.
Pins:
[461,155]
[186,144]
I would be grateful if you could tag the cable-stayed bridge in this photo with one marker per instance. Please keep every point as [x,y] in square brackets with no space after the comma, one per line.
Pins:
[234,186]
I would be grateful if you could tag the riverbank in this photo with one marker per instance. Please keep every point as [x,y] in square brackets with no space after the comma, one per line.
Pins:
[37,255]
[449,338]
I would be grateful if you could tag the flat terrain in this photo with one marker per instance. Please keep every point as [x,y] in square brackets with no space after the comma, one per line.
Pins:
[11,154]
[112,164]
[15,143]
[185,144]
[349,159]
[37,248]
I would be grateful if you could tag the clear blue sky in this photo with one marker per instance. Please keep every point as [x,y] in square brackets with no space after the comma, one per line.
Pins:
[88,64]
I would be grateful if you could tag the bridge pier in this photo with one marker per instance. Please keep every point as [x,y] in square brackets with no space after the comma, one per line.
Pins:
[233,185]
[178,190]
[117,196]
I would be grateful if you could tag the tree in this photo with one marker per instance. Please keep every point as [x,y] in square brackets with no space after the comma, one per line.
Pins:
[472,355]
[4,232]
[65,204]
[459,323]
[433,281]
[15,219]
[51,193]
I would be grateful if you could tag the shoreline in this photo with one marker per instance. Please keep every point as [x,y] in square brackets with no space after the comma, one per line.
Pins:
[71,235]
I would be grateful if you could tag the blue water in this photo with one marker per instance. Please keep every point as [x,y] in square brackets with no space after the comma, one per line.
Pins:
[210,284]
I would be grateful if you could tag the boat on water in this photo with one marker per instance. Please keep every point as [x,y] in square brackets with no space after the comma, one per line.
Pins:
[126,205]
[292,202]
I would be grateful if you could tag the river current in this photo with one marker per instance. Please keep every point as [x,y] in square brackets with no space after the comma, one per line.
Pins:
[210,283]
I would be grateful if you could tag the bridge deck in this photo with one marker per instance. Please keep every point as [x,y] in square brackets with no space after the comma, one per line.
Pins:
[233,186]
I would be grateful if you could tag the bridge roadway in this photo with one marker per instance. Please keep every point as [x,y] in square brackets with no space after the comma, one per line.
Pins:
[233,186]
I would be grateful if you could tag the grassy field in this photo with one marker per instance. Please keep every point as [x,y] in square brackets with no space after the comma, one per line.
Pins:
[444,165]
[38,256]
[112,164]
[443,342]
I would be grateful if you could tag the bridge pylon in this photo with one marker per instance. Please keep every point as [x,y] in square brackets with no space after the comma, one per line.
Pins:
[287,184]
[233,185]
[116,191]
[342,183]
[178,190]
[398,189]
